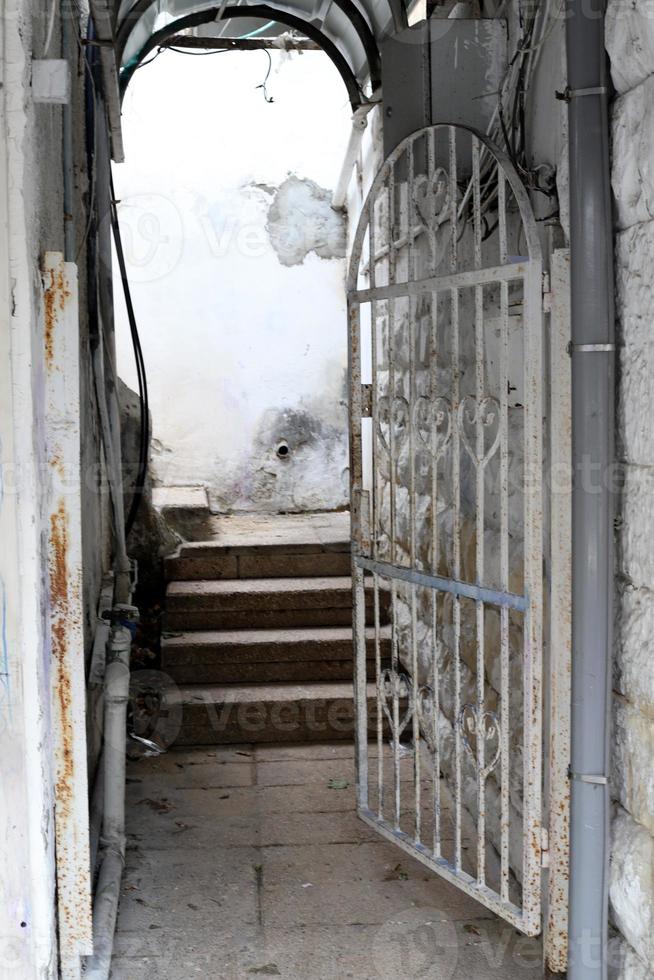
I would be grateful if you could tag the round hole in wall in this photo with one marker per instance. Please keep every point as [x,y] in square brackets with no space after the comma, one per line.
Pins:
[283,450]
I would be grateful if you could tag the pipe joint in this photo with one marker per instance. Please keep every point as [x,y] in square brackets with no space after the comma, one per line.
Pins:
[116,843]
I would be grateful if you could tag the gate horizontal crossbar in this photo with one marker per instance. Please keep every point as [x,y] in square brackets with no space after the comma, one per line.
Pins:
[456,876]
[439,284]
[466,590]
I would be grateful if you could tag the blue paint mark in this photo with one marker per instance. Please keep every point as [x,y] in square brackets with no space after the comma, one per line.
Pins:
[5,679]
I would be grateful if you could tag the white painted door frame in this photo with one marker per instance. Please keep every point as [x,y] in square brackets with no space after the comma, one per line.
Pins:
[28,947]
[30,862]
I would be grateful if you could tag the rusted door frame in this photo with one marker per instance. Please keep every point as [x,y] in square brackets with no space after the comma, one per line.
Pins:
[66,611]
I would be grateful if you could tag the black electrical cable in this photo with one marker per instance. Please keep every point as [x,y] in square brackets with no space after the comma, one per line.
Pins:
[194,54]
[264,83]
[144,446]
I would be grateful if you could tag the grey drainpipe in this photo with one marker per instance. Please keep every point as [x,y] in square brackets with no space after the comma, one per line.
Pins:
[593,356]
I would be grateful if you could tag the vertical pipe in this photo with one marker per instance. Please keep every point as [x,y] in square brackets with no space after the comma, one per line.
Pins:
[67,50]
[107,892]
[592,504]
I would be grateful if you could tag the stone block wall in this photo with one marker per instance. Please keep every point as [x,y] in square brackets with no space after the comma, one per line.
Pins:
[630,43]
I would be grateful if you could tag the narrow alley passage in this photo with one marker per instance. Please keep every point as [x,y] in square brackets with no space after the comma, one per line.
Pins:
[250,861]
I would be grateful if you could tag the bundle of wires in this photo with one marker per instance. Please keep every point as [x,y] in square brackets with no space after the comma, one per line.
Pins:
[508,123]
[144,433]
[94,95]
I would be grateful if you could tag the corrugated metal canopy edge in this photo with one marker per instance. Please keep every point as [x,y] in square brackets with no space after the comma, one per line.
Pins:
[347,30]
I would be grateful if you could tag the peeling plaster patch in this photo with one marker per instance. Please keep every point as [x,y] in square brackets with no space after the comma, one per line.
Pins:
[302,220]
[266,188]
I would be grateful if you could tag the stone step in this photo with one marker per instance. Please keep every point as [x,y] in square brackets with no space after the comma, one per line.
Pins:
[208,560]
[246,656]
[233,714]
[262,603]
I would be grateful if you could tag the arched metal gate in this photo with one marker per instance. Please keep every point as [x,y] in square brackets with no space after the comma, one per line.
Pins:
[445,297]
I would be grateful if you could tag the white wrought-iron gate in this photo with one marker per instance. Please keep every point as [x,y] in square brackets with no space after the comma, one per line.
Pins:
[445,297]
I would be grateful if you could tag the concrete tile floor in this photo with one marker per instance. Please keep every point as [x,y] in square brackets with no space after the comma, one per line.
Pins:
[243,862]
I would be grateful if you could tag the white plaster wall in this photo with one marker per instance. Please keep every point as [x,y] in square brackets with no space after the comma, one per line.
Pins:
[630,42]
[243,350]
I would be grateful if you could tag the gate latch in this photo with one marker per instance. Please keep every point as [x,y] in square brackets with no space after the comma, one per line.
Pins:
[544,848]
[366,401]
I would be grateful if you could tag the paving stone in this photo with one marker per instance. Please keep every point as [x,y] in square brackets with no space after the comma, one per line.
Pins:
[313,752]
[350,902]
[205,772]
[221,897]
[160,886]
[318,828]
[293,771]
[371,861]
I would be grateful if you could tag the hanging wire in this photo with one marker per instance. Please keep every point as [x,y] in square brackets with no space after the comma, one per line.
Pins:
[195,54]
[264,83]
[51,23]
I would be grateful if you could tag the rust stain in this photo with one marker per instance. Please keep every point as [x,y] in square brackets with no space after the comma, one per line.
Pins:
[57,465]
[55,298]
[60,602]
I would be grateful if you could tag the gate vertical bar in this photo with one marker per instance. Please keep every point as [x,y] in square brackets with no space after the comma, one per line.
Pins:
[433,389]
[376,517]
[413,300]
[358,588]
[392,261]
[480,520]
[456,502]
[533,627]
[504,547]
[556,936]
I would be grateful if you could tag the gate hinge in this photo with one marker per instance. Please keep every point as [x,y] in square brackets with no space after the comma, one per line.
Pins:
[366,401]
[547,293]
[544,848]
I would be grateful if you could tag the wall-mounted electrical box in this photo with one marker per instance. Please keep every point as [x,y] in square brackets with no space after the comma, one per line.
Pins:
[51,81]
[442,71]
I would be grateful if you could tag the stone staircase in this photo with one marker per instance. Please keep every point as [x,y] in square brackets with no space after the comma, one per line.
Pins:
[258,636]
